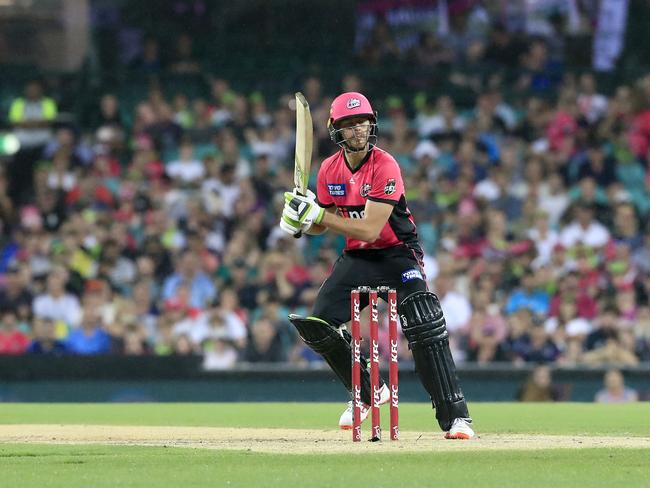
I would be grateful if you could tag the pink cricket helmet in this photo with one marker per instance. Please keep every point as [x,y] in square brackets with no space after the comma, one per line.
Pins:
[346,105]
[350,104]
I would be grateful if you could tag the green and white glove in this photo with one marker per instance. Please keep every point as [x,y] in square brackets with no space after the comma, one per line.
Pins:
[288,224]
[300,212]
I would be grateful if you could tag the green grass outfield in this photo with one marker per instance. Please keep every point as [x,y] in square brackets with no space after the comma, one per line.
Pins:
[35,464]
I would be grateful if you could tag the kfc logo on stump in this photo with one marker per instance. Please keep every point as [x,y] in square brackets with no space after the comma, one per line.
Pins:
[389,189]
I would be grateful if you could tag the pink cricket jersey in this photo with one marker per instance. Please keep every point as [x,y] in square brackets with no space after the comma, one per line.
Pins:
[377,178]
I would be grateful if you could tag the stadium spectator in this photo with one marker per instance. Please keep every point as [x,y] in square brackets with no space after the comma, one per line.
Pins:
[187,169]
[32,116]
[44,340]
[539,73]
[516,344]
[66,141]
[626,226]
[528,296]
[201,289]
[614,390]
[15,295]
[13,341]
[487,330]
[184,62]
[584,229]
[503,47]
[541,349]
[609,343]
[218,352]
[264,345]
[190,322]
[118,269]
[455,305]
[134,341]
[182,346]
[89,337]
[639,128]
[228,320]
[544,237]
[109,115]
[56,303]
[221,189]
[591,104]
[539,387]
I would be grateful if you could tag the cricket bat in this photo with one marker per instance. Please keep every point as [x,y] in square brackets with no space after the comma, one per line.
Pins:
[304,143]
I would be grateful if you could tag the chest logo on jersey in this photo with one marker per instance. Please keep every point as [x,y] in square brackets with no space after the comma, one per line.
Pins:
[336,189]
[365,189]
[352,211]
[411,274]
[389,189]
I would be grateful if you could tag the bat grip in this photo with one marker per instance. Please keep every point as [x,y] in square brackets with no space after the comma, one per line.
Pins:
[298,234]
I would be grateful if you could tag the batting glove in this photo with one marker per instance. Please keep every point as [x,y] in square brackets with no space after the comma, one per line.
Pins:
[303,210]
[288,224]
[288,221]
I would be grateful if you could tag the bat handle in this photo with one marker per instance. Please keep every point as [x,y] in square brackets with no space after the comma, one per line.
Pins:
[298,234]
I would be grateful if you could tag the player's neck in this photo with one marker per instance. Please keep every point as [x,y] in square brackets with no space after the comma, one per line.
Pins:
[354,159]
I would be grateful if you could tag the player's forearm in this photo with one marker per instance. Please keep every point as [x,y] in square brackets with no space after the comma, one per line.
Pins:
[361,229]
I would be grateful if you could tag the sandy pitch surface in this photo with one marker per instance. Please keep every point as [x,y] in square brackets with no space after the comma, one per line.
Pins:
[295,441]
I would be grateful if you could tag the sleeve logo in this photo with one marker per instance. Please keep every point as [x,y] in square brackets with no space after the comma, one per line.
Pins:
[411,274]
[336,189]
[365,189]
[389,189]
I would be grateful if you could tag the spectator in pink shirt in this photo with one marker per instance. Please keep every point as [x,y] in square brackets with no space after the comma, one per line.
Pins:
[562,129]
[12,340]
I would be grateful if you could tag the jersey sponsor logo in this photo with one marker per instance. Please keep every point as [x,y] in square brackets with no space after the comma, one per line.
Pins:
[353,103]
[336,189]
[365,189]
[389,189]
[356,214]
[353,211]
[411,274]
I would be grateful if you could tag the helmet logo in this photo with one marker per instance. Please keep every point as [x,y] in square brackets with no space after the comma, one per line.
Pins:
[353,103]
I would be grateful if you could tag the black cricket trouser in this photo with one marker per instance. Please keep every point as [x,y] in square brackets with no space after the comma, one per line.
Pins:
[395,267]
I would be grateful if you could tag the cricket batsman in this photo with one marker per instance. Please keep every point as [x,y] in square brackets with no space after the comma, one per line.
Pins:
[360,194]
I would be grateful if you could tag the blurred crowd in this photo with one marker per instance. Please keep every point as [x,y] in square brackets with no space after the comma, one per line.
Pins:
[152,229]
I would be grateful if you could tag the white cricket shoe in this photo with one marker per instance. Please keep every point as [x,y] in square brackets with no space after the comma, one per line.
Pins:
[345,422]
[460,429]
